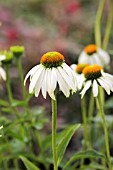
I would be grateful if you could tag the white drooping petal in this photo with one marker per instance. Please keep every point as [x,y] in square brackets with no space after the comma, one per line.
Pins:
[31,72]
[67,78]
[35,78]
[44,85]
[63,84]
[105,58]
[108,77]
[68,70]
[90,60]
[80,81]
[73,66]
[2,74]
[95,88]
[83,58]
[49,88]
[48,71]
[86,87]
[53,79]
[96,59]
[38,84]
[104,85]
[53,83]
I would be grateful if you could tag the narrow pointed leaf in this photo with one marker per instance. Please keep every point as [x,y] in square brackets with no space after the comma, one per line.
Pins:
[93,166]
[65,141]
[85,154]
[29,165]
[3,103]
[16,103]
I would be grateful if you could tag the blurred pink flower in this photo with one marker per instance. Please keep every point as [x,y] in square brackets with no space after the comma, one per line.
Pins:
[11,34]
[72,7]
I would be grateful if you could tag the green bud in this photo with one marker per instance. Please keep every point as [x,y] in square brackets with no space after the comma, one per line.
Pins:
[8,58]
[17,50]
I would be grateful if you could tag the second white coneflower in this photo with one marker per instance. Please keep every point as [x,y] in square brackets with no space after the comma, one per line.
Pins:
[95,76]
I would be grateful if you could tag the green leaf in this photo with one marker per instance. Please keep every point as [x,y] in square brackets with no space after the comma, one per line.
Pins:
[93,166]
[3,103]
[47,142]
[65,141]
[16,103]
[17,145]
[7,110]
[109,103]
[85,154]
[29,165]
[39,124]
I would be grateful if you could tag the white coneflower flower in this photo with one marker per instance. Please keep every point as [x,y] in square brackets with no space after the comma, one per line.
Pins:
[78,68]
[94,55]
[95,76]
[51,70]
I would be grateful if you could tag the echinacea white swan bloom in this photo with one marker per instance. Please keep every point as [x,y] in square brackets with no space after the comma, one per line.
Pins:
[95,76]
[94,55]
[78,68]
[51,70]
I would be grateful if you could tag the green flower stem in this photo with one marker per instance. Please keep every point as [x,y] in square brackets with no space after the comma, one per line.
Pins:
[91,107]
[98,23]
[21,76]
[41,152]
[109,25]
[83,106]
[8,84]
[22,83]
[15,162]
[54,116]
[90,116]
[5,165]
[105,130]
[83,102]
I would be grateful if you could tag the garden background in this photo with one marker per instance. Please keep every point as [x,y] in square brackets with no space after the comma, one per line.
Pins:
[66,26]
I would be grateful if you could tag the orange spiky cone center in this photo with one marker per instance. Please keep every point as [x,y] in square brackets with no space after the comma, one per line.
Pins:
[92,72]
[52,59]
[90,49]
[80,68]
